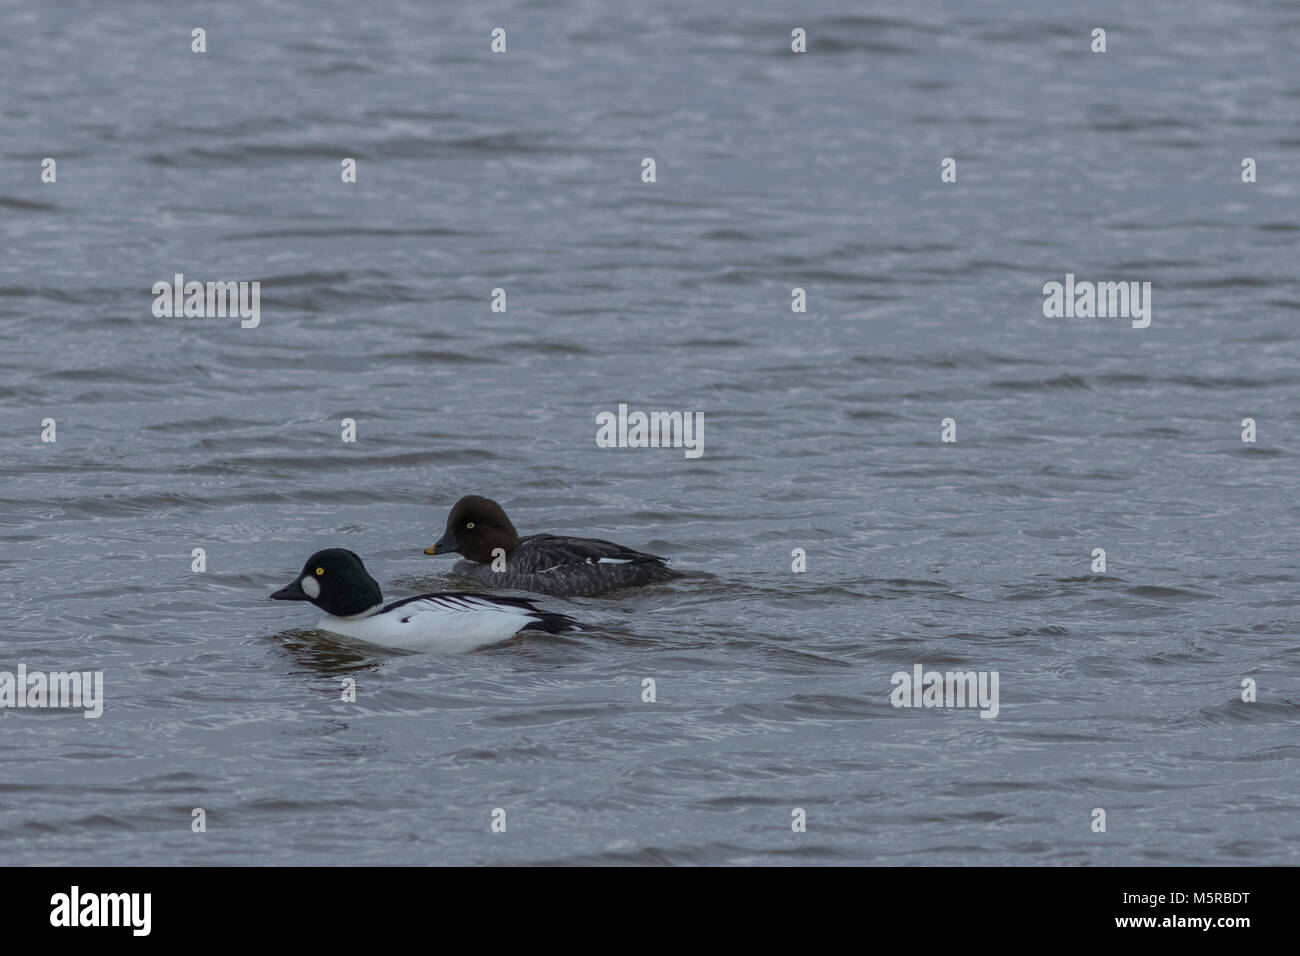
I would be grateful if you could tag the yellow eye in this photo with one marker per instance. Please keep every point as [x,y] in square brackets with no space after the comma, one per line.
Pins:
[320,571]
[469,524]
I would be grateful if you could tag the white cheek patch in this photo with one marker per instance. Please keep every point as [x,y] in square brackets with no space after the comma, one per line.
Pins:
[312,587]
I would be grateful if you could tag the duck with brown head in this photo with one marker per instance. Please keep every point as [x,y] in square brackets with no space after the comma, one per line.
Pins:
[495,556]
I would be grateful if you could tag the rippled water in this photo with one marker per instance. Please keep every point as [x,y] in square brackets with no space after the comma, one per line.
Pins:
[1119,691]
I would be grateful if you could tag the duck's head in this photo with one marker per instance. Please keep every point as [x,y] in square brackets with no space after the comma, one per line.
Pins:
[335,581]
[475,528]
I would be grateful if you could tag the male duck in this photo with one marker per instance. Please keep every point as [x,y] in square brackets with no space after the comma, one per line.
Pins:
[336,581]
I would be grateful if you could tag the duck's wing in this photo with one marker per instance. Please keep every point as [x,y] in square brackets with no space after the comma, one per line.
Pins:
[545,552]
[450,605]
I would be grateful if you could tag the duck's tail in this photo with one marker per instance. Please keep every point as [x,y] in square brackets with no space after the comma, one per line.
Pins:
[553,623]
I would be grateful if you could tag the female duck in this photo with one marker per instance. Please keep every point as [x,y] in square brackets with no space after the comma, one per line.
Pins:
[497,557]
[336,581]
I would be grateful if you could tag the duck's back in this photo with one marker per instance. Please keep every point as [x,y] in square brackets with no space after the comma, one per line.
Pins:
[572,567]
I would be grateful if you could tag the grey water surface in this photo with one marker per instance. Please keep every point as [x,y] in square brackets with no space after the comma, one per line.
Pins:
[1119,691]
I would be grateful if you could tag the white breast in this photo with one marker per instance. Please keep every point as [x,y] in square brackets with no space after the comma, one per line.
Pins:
[446,624]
